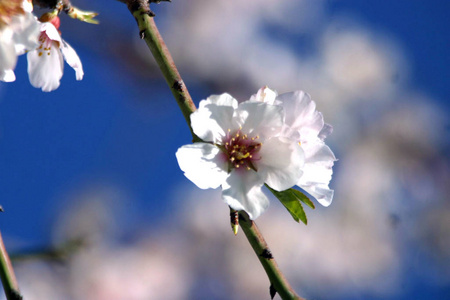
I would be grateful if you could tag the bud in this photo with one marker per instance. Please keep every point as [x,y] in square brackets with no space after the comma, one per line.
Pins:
[51,17]
[234,220]
[85,16]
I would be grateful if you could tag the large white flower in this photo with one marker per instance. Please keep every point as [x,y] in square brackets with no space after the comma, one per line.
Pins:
[46,63]
[242,150]
[305,124]
[19,31]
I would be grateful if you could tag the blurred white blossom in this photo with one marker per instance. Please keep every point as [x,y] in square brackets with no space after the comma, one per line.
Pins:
[19,31]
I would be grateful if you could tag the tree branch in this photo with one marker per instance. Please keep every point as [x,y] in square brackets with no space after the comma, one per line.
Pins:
[7,275]
[259,245]
[149,32]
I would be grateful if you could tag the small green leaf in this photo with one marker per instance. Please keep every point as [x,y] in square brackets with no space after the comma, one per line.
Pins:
[292,203]
[302,197]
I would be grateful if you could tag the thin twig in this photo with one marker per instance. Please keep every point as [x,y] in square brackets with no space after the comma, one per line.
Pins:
[259,245]
[7,275]
[150,33]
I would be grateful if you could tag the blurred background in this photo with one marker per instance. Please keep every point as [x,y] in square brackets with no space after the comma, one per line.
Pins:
[89,172]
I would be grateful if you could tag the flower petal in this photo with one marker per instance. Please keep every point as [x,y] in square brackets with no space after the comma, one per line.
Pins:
[322,193]
[72,59]
[301,114]
[26,33]
[51,31]
[318,172]
[203,164]
[266,95]
[242,191]
[7,75]
[281,163]
[8,56]
[45,69]
[258,118]
[221,100]
[211,122]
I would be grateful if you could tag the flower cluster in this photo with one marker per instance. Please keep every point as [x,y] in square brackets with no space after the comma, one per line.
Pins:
[269,139]
[21,32]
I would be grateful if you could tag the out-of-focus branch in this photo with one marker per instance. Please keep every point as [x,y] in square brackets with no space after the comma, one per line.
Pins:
[58,253]
[7,275]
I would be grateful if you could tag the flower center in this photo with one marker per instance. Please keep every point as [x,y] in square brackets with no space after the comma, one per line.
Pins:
[241,150]
[45,44]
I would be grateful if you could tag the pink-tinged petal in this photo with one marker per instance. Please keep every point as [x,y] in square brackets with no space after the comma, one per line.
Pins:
[211,122]
[221,100]
[266,95]
[72,59]
[203,164]
[45,68]
[301,114]
[260,119]
[51,31]
[242,191]
[281,162]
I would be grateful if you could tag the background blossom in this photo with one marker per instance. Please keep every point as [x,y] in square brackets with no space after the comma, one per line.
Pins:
[18,32]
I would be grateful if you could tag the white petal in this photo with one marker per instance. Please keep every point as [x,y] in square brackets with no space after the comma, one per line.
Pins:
[326,131]
[242,191]
[72,59]
[45,70]
[322,193]
[222,100]
[266,95]
[211,122]
[318,172]
[281,163]
[7,75]
[301,114]
[8,57]
[26,33]
[257,118]
[203,164]
[27,6]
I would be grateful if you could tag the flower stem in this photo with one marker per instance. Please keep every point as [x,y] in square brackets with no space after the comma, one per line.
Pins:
[259,245]
[9,280]
[149,32]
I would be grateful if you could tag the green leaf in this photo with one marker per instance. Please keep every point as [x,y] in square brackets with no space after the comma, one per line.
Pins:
[290,200]
[302,197]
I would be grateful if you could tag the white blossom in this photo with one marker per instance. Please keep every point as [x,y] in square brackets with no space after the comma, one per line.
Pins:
[242,150]
[19,31]
[46,63]
[305,124]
